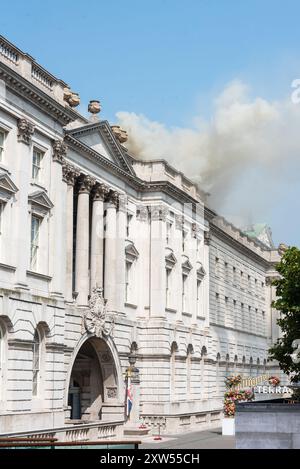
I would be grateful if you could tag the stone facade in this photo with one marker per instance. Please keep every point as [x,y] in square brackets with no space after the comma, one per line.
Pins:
[101,254]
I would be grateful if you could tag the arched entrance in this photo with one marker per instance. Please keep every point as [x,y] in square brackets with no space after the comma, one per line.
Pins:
[93,383]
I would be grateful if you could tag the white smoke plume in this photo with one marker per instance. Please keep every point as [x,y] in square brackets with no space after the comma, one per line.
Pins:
[245,156]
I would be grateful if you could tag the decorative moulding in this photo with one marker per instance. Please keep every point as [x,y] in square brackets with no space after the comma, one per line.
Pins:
[40,203]
[131,253]
[170,259]
[7,187]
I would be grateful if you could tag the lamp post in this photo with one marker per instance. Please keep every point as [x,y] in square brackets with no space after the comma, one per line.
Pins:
[132,380]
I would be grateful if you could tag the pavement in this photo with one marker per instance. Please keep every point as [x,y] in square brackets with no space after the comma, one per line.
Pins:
[208,439]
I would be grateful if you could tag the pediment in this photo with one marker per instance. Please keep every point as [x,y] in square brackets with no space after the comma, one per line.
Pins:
[131,252]
[200,271]
[40,202]
[99,137]
[7,187]
[186,266]
[170,260]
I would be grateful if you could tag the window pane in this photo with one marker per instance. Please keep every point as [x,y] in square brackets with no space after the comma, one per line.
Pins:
[36,164]
[35,225]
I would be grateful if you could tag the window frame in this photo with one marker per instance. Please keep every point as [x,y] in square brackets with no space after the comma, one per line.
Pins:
[34,265]
[37,177]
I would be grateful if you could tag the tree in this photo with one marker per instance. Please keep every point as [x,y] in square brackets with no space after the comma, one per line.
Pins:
[288,303]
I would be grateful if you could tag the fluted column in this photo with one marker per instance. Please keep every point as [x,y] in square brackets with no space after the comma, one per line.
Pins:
[70,173]
[120,257]
[82,240]
[110,250]
[97,241]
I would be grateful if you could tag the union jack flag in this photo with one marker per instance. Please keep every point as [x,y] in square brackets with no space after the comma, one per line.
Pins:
[129,399]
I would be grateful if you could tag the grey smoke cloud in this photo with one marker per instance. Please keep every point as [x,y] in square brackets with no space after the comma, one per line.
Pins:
[244,156]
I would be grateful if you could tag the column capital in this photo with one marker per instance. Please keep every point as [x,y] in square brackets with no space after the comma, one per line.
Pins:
[59,151]
[25,131]
[179,221]
[101,191]
[113,198]
[142,212]
[86,183]
[158,212]
[69,174]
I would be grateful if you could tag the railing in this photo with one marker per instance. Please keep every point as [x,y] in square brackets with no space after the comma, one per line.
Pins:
[42,77]
[44,443]
[74,433]
[8,52]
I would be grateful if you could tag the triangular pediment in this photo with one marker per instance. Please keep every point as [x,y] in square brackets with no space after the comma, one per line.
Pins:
[40,201]
[100,137]
[186,266]
[7,187]
[200,271]
[170,259]
[131,252]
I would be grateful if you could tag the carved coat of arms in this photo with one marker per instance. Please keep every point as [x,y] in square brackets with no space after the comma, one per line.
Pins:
[96,316]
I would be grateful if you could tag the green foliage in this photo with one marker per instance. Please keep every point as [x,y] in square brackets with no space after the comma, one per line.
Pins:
[288,303]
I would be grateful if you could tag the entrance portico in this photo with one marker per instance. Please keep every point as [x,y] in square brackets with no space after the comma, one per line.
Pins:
[95,389]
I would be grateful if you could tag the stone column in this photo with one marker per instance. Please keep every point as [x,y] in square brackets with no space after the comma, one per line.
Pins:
[21,257]
[82,240]
[205,280]
[110,251]
[57,226]
[120,257]
[70,173]
[179,223]
[157,262]
[97,238]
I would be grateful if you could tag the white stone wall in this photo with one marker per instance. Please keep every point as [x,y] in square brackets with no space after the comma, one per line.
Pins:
[186,345]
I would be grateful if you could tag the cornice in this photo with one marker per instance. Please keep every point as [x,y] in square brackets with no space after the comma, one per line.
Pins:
[236,244]
[28,91]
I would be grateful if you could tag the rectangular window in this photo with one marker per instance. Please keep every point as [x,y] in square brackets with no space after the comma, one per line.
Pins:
[198,296]
[36,164]
[184,291]
[2,139]
[184,236]
[35,229]
[169,231]
[129,219]
[226,271]
[217,267]
[168,284]
[234,275]
[127,281]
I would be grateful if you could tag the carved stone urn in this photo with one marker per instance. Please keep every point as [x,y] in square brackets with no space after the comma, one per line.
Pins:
[94,106]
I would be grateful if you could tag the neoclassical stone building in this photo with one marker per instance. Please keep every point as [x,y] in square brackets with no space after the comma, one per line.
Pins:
[103,255]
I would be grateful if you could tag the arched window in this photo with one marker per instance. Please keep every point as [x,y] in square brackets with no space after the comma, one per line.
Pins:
[38,359]
[174,350]
[190,351]
[36,354]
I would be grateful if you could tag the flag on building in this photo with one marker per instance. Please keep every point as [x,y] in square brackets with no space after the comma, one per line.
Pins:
[129,399]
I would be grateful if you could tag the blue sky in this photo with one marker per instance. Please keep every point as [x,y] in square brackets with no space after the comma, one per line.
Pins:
[166,59]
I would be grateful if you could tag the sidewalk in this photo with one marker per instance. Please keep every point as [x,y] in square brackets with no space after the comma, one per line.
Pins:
[208,439]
